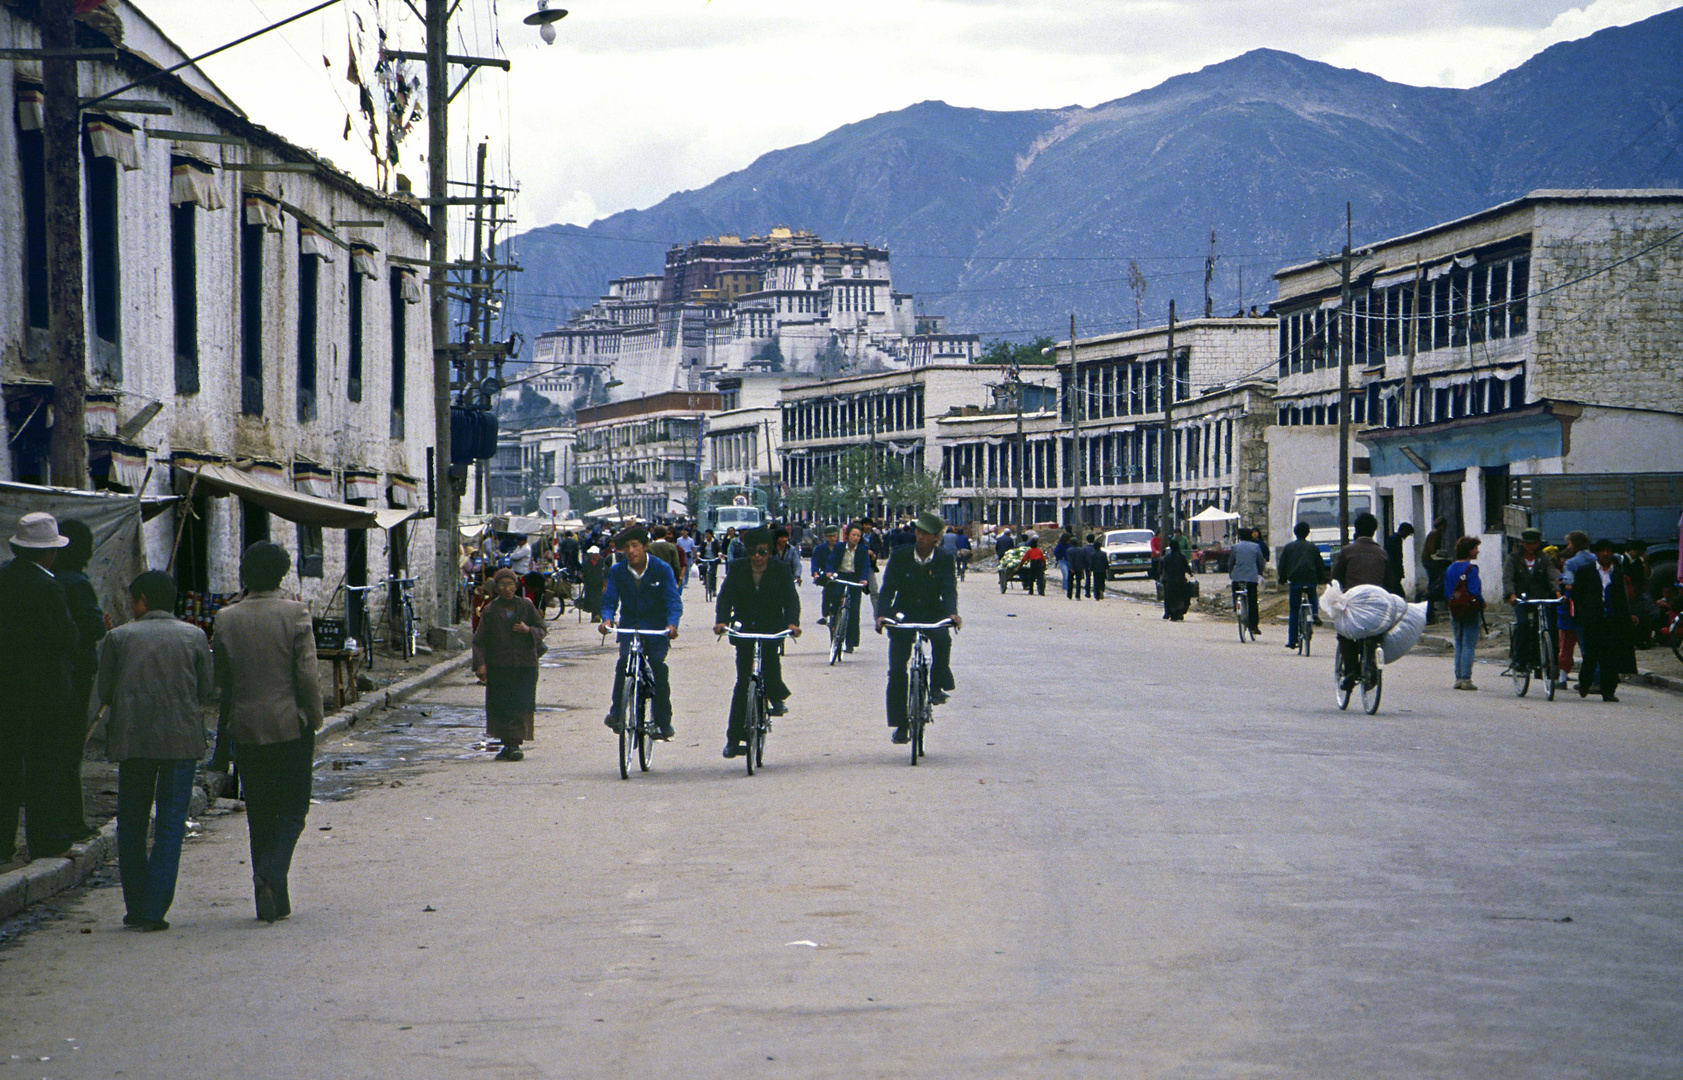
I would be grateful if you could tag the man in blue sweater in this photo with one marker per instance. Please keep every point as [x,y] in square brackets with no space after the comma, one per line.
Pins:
[641,593]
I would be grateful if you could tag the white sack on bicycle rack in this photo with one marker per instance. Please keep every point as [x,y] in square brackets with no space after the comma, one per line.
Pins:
[1399,639]
[1367,611]
[1332,602]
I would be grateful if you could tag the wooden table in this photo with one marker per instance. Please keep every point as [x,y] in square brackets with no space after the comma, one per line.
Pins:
[345,663]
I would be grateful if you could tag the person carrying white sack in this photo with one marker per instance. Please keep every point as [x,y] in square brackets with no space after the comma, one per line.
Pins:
[1361,562]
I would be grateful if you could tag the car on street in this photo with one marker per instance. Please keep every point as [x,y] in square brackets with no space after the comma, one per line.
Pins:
[1127,551]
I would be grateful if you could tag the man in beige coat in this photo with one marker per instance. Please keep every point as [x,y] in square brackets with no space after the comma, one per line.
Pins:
[265,653]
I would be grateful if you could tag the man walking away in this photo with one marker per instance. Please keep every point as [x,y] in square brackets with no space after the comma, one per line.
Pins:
[1245,573]
[38,643]
[154,674]
[1079,582]
[1434,553]
[919,586]
[1303,568]
[1602,608]
[1098,567]
[1395,546]
[265,654]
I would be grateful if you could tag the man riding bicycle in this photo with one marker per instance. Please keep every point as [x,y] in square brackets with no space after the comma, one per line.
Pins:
[641,593]
[1361,562]
[1302,567]
[1528,574]
[821,571]
[759,594]
[919,586]
[1244,573]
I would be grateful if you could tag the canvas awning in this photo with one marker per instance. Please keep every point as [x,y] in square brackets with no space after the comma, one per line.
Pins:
[282,502]
[1210,513]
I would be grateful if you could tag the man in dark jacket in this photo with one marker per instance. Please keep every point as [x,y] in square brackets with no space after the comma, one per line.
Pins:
[1395,545]
[1605,623]
[1079,582]
[759,596]
[852,561]
[1361,562]
[1302,568]
[38,643]
[820,569]
[919,586]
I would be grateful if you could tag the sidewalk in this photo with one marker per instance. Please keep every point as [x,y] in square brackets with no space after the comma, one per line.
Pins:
[39,879]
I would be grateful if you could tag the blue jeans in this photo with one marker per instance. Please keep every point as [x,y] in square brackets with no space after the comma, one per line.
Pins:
[1063,569]
[1466,639]
[149,879]
[1296,603]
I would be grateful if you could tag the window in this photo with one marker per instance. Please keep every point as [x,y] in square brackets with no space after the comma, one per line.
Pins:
[310,551]
[353,368]
[184,276]
[251,319]
[104,265]
[34,183]
[400,350]
[1518,293]
[254,524]
[309,277]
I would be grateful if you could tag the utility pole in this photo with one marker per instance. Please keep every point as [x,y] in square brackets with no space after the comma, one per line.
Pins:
[1168,463]
[1017,378]
[1075,397]
[476,299]
[1209,277]
[67,345]
[1407,418]
[1344,390]
[445,570]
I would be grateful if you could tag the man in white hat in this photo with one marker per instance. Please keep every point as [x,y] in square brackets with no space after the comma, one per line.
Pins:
[37,646]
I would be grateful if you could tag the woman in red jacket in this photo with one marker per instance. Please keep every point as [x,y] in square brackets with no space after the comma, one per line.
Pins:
[1034,568]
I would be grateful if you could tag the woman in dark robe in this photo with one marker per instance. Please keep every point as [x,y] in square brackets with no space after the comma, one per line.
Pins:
[505,657]
[92,623]
[594,571]
[1177,585]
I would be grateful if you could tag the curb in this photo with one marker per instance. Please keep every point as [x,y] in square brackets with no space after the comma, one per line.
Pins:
[41,879]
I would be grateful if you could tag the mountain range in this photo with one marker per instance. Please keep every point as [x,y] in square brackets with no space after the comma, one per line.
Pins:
[1006,222]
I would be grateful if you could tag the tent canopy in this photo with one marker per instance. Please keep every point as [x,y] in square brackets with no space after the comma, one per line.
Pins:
[1210,513]
[295,505]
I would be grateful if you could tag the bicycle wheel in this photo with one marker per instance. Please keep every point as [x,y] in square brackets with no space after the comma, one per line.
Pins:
[1373,680]
[917,700]
[757,742]
[1239,615]
[838,632]
[1551,666]
[409,634]
[1341,690]
[1518,671]
[645,744]
[1306,628]
[627,724]
[756,725]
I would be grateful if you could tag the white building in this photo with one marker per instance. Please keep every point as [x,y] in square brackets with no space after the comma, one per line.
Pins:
[642,456]
[248,335]
[1546,335]
[744,441]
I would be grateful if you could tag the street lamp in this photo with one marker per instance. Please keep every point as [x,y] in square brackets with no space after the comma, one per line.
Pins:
[545,19]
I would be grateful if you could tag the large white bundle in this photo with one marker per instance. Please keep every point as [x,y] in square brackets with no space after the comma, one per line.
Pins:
[1399,639]
[1367,611]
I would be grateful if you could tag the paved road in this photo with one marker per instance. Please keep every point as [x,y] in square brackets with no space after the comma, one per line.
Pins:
[1136,850]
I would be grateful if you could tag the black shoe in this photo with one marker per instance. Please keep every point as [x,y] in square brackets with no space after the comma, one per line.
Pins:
[902,735]
[735,749]
[267,908]
[939,697]
[508,754]
[663,732]
[778,709]
[1611,697]
[1583,691]
[612,722]
[132,920]
[824,622]
[145,926]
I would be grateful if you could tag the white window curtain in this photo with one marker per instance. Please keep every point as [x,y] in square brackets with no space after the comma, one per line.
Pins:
[365,260]
[362,485]
[29,107]
[193,182]
[115,140]
[313,480]
[262,210]
[314,243]
[409,285]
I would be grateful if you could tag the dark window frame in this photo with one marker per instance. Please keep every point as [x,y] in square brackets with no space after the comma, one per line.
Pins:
[251,318]
[184,295]
[309,326]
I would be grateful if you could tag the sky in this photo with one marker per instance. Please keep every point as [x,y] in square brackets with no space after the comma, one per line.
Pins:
[637,99]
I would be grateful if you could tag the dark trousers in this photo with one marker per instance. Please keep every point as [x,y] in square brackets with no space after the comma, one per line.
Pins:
[1097,578]
[900,655]
[771,668]
[276,780]
[1079,582]
[1434,588]
[1249,589]
[1034,577]
[149,878]
[1596,669]
[66,760]
[655,649]
[31,723]
[831,599]
[855,601]
[1298,592]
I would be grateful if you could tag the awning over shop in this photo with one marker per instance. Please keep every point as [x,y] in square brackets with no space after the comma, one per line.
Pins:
[391,519]
[282,502]
[1211,513]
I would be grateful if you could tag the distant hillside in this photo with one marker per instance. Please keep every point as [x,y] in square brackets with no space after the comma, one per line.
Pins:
[1004,222]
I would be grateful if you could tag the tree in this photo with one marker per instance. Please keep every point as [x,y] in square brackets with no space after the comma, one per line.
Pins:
[919,489]
[583,498]
[1031,352]
[770,354]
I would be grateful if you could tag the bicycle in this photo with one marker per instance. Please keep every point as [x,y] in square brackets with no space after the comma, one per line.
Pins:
[1305,623]
[1546,664]
[756,720]
[1370,677]
[709,572]
[844,612]
[1242,612]
[920,710]
[635,730]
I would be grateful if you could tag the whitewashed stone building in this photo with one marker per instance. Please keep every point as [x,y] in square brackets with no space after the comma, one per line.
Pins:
[257,342]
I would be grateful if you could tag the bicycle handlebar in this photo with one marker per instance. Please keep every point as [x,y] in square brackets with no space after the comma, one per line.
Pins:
[942,625]
[832,579]
[650,633]
[1551,600]
[734,634]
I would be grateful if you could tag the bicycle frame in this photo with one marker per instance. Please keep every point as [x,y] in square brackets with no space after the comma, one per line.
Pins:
[919,711]
[847,610]
[757,714]
[635,730]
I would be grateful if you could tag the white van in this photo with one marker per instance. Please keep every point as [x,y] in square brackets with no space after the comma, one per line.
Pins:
[740,518]
[1319,507]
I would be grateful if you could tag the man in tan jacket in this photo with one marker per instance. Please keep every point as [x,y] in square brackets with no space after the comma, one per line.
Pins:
[265,653]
